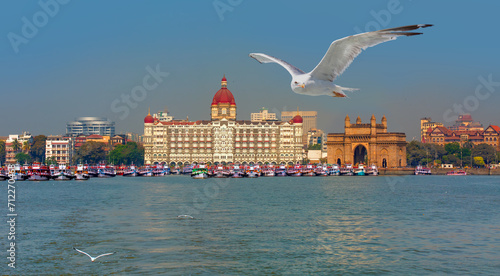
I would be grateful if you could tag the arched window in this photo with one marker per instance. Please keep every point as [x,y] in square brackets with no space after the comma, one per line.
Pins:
[384,163]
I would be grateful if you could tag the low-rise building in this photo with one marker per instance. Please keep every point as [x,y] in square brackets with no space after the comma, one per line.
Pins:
[10,151]
[59,148]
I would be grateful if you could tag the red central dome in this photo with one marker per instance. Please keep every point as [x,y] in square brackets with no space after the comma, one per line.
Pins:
[297,119]
[148,119]
[223,95]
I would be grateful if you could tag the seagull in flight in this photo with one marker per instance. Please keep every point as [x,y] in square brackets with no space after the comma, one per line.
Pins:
[92,258]
[185,217]
[336,60]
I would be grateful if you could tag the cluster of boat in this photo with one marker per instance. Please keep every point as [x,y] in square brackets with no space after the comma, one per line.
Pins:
[40,172]
[202,171]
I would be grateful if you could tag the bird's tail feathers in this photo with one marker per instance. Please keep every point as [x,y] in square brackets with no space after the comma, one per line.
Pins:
[348,89]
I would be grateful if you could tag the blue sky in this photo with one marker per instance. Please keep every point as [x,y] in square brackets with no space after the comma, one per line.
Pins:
[87,55]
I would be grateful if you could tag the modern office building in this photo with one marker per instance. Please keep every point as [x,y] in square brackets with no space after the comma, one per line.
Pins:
[90,125]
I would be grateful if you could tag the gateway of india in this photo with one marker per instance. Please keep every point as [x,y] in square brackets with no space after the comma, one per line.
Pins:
[369,144]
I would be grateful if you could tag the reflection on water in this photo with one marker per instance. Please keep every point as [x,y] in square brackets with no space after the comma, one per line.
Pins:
[334,225]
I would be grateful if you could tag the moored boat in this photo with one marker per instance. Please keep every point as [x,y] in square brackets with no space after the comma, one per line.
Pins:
[130,171]
[236,171]
[81,172]
[295,170]
[372,170]
[280,170]
[321,170]
[334,170]
[106,171]
[308,170]
[61,172]
[461,172]
[39,172]
[252,171]
[346,170]
[199,171]
[419,170]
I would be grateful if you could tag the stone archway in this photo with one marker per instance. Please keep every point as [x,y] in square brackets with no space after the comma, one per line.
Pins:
[360,154]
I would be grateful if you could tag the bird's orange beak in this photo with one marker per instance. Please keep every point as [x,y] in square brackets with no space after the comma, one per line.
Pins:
[302,85]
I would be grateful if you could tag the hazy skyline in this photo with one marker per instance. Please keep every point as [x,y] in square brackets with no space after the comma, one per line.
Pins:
[62,61]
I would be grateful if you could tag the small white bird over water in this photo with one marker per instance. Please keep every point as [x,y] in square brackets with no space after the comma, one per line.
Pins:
[338,57]
[92,258]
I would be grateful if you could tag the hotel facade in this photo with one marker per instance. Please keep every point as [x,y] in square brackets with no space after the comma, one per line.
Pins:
[223,138]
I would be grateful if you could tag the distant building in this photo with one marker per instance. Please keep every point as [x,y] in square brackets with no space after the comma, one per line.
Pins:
[134,137]
[10,153]
[465,123]
[163,116]
[425,124]
[442,136]
[310,120]
[90,126]
[119,139]
[263,116]
[316,137]
[59,147]
[368,144]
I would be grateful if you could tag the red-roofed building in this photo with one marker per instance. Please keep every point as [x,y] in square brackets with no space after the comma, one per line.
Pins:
[223,138]
[442,136]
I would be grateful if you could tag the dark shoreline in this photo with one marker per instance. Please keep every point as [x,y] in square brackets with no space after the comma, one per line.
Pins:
[439,171]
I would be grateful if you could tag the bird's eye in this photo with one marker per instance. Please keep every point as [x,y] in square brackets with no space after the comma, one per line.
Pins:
[296,82]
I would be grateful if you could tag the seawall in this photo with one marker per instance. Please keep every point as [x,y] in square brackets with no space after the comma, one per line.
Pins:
[439,171]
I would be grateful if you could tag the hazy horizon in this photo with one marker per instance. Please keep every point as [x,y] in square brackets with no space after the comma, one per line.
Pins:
[62,61]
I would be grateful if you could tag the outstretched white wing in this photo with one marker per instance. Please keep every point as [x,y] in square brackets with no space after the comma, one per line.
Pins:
[263,58]
[83,253]
[343,51]
[106,254]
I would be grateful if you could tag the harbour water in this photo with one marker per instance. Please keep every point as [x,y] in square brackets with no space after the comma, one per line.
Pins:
[394,225]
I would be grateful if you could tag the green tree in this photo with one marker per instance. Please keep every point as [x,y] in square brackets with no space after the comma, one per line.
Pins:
[37,151]
[314,147]
[2,152]
[91,152]
[479,161]
[452,148]
[485,151]
[26,147]
[51,160]
[23,158]
[130,153]
[16,146]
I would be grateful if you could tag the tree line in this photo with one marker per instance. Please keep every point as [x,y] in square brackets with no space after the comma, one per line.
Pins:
[467,155]
[90,152]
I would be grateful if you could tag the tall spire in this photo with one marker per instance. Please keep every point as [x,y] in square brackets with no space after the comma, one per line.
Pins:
[149,111]
[223,83]
[298,110]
